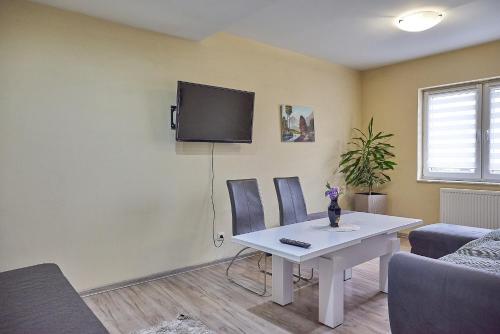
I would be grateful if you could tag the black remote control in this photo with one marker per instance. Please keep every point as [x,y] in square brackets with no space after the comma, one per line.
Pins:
[295,243]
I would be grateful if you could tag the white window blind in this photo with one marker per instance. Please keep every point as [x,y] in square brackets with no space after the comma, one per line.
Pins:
[460,132]
[451,134]
[494,132]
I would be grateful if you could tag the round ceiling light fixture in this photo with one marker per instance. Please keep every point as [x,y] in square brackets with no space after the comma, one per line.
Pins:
[419,21]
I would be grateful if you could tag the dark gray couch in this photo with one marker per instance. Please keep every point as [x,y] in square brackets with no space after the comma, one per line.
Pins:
[438,240]
[39,299]
[427,295]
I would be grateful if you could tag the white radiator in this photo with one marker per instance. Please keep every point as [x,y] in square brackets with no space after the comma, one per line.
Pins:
[477,208]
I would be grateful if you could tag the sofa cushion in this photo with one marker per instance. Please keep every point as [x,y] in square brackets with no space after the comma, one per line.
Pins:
[39,299]
[430,296]
[482,253]
[438,240]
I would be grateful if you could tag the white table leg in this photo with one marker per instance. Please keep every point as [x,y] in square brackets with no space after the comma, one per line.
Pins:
[384,265]
[331,293]
[347,274]
[282,281]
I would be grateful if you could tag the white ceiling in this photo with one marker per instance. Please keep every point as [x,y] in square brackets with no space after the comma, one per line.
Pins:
[356,33]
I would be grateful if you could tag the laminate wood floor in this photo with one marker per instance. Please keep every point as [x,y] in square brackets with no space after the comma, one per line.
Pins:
[226,308]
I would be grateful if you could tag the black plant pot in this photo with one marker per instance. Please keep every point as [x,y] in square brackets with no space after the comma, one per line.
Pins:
[334,212]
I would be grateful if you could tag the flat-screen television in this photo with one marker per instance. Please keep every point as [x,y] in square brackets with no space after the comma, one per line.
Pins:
[213,114]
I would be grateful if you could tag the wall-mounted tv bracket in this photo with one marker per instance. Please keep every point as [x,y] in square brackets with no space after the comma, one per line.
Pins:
[172,111]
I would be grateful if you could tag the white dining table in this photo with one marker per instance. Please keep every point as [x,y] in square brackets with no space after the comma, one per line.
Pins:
[335,252]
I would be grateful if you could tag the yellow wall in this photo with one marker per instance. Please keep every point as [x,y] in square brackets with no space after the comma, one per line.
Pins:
[90,174]
[389,94]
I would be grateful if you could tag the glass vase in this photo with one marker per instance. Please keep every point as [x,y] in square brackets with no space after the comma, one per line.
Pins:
[334,212]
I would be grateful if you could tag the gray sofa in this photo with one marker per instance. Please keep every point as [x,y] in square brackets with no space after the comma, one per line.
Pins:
[39,299]
[429,295]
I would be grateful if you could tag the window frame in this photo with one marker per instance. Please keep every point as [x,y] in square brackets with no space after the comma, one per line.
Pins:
[483,115]
[426,174]
[487,87]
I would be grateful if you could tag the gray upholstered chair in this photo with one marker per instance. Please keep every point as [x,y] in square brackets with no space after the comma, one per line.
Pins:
[291,202]
[293,209]
[292,206]
[248,216]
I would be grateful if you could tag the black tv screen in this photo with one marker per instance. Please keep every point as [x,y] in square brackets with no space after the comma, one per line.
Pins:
[213,114]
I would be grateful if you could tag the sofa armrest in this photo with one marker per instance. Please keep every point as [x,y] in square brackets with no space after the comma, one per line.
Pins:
[39,299]
[433,296]
[438,240]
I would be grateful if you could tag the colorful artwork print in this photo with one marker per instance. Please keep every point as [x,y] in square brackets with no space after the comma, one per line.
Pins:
[297,124]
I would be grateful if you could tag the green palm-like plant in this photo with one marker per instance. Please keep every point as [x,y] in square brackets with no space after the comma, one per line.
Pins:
[369,160]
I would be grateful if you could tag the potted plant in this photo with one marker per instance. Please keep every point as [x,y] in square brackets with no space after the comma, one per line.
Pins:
[365,167]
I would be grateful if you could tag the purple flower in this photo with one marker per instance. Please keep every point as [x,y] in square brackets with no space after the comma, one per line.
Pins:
[333,192]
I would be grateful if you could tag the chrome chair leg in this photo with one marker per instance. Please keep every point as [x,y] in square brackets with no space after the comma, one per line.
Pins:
[262,293]
[262,254]
[299,276]
[308,278]
[302,278]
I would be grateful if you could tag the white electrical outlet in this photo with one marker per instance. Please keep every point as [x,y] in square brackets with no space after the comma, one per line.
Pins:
[220,236]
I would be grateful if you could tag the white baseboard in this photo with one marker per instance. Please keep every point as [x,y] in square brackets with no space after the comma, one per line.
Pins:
[154,277]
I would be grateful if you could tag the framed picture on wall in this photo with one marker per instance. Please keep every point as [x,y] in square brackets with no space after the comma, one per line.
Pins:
[297,124]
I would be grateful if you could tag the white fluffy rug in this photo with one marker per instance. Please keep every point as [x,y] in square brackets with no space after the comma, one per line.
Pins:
[183,325]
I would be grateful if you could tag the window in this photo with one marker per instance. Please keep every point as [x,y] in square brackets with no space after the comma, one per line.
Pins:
[492,132]
[460,133]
